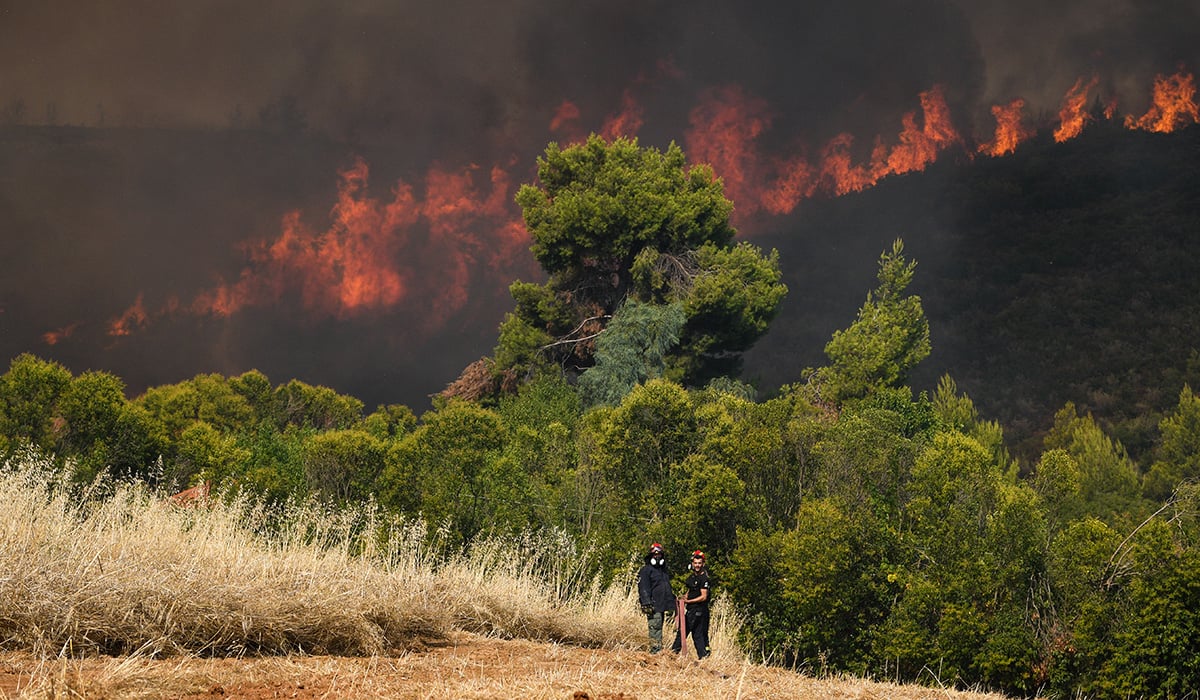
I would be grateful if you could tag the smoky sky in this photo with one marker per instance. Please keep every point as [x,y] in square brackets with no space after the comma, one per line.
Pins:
[478,73]
[456,87]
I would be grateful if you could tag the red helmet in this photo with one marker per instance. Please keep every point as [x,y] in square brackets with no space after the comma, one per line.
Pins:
[698,555]
[656,548]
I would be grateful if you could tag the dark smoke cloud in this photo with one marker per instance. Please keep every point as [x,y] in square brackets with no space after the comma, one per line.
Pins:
[158,204]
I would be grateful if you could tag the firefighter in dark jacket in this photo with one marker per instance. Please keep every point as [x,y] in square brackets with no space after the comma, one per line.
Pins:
[654,594]
[697,599]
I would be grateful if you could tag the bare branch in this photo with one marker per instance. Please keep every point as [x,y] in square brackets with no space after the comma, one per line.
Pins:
[1116,563]
[567,339]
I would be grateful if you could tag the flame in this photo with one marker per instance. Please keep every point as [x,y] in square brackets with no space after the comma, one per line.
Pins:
[134,317]
[919,147]
[376,255]
[723,128]
[837,172]
[1073,115]
[1110,109]
[370,258]
[1009,130]
[626,122]
[1174,105]
[727,123]
[566,114]
[797,181]
[454,207]
[56,336]
[339,271]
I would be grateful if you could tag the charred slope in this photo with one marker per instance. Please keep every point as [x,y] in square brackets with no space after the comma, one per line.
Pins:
[1063,272]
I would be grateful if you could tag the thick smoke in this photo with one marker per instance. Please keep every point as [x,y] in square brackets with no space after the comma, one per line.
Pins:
[171,174]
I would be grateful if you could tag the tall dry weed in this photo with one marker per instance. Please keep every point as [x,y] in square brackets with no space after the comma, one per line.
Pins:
[115,568]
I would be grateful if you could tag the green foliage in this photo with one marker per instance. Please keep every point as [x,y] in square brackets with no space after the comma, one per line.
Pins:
[864,459]
[105,431]
[202,452]
[1077,567]
[621,227]
[640,441]
[889,337]
[600,204]
[541,452]
[304,405]
[1109,483]
[734,296]
[342,465]
[390,421]
[955,412]
[768,445]
[1156,647]
[710,505]
[258,392]
[29,393]
[520,343]
[631,350]
[275,467]
[447,470]
[817,590]
[1179,451]
[209,398]
[974,544]
[1058,479]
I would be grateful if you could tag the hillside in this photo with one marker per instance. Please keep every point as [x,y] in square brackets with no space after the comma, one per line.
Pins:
[468,666]
[1063,272]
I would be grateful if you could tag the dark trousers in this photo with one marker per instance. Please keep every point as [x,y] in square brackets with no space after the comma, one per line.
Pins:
[696,623]
[655,624]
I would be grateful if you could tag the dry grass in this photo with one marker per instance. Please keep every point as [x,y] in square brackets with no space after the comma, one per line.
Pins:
[127,596]
[466,666]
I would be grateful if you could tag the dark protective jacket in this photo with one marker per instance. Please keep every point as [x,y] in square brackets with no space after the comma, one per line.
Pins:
[654,587]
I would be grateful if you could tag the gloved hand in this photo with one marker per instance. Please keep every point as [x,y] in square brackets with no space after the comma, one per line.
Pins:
[647,609]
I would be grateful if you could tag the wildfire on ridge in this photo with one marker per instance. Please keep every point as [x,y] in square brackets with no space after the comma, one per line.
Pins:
[1009,129]
[727,123]
[1073,115]
[369,258]
[1173,105]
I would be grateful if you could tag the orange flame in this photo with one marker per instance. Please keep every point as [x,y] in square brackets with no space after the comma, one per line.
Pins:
[566,114]
[1174,105]
[57,336]
[369,259]
[727,123]
[1009,130]
[723,129]
[1073,115]
[837,172]
[797,181]
[918,148]
[134,317]
[340,271]
[626,122]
